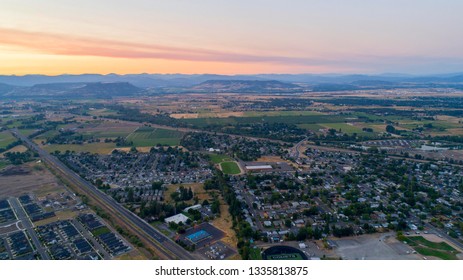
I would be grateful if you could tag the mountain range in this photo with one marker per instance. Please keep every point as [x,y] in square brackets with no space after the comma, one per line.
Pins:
[111,85]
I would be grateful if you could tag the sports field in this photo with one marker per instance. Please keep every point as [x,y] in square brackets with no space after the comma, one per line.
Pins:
[230,167]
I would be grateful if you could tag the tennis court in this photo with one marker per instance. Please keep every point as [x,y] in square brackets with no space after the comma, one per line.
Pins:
[198,236]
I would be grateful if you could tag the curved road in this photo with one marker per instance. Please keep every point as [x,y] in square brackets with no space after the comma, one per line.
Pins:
[167,248]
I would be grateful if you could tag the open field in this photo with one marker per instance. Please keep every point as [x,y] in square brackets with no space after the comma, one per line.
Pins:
[26,179]
[108,129]
[292,119]
[148,136]
[59,216]
[5,139]
[27,132]
[230,167]
[98,148]
[19,148]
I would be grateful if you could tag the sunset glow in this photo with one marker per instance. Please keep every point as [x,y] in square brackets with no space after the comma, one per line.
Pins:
[230,37]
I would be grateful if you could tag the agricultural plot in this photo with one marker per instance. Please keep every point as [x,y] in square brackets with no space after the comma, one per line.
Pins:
[280,113]
[288,119]
[108,129]
[345,128]
[27,132]
[148,136]
[5,139]
[98,148]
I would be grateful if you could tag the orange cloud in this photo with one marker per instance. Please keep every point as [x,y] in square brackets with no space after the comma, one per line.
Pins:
[60,44]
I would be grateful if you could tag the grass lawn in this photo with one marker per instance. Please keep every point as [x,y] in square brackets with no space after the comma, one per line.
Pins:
[255,254]
[435,253]
[148,136]
[215,158]
[425,247]
[230,167]
[100,231]
[422,241]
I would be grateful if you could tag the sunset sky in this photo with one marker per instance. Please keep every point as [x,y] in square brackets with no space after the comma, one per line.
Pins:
[230,37]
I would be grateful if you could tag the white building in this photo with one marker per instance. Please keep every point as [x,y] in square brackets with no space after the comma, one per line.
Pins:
[176,219]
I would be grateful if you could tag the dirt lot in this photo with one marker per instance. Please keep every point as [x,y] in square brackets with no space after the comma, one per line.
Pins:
[224,223]
[270,159]
[31,177]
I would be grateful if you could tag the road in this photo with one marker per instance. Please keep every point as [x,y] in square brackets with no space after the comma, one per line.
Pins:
[166,248]
[22,216]
[296,147]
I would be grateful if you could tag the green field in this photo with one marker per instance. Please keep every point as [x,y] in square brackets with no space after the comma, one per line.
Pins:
[215,158]
[148,136]
[425,247]
[98,148]
[6,138]
[280,113]
[436,253]
[100,231]
[419,240]
[294,119]
[107,134]
[230,167]
[311,126]
[27,132]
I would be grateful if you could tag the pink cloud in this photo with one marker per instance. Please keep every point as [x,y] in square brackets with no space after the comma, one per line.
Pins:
[72,45]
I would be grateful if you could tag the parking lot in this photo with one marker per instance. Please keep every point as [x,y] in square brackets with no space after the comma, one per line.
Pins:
[373,247]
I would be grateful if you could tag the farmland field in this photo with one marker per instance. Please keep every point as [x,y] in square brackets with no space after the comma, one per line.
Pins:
[280,113]
[148,136]
[108,129]
[295,119]
[98,148]
[5,139]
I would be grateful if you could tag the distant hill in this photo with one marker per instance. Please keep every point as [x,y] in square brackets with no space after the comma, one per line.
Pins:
[105,90]
[245,86]
[6,89]
[74,90]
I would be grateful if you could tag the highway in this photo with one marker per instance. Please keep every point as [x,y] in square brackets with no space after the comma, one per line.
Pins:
[166,248]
